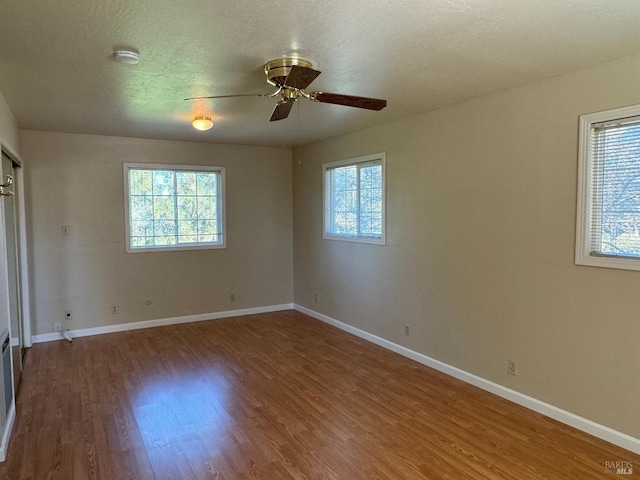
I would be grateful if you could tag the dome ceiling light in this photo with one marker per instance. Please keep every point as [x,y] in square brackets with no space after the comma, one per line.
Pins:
[202,123]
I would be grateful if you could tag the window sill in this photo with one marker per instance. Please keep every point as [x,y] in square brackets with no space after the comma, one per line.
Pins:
[369,240]
[608,262]
[174,249]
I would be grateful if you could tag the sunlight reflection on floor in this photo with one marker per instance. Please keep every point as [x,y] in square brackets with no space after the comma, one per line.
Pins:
[176,405]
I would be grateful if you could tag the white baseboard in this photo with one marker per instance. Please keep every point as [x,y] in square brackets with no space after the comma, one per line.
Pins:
[605,433]
[123,327]
[600,431]
[4,443]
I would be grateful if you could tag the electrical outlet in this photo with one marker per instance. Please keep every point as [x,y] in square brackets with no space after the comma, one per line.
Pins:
[67,315]
[512,367]
[58,326]
[232,297]
[407,330]
[115,309]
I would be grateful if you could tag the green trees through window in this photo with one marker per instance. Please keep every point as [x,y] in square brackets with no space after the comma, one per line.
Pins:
[617,161]
[174,207]
[354,199]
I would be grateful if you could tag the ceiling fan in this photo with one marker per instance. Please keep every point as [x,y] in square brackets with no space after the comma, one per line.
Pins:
[291,76]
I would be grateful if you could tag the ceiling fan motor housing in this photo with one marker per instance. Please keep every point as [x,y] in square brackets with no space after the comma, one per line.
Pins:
[278,69]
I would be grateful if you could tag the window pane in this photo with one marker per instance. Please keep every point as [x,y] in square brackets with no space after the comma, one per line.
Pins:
[141,208]
[140,182]
[207,227]
[344,200]
[187,208]
[371,224]
[345,224]
[187,227]
[141,228]
[141,241]
[620,191]
[370,200]
[345,178]
[207,183]
[164,227]
[163,182]
[164,241]
[206,208]
[163,208]
[173,207]
[187,239]
[345,213]
[186,183]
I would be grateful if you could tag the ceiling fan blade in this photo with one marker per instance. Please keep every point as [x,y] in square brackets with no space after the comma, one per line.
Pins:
[300,77]
[283,107]
[349,100]
[231,96]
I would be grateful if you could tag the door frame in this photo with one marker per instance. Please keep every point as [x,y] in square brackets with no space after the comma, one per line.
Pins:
[22,234]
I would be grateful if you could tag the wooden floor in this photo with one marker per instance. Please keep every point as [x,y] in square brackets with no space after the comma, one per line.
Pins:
[273,396]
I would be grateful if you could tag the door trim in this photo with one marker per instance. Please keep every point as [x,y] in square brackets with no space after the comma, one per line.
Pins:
[24,252]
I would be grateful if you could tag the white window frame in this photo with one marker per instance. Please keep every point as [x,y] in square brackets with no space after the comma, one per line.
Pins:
[583,255]
[327,197]
[178,247]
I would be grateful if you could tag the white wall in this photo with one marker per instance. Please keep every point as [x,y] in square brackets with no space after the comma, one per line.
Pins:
[77,180]
[481,204]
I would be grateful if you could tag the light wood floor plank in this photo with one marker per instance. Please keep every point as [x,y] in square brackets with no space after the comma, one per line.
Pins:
[274,396]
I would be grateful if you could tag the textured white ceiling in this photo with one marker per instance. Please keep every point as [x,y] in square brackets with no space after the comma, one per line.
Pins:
[57,72]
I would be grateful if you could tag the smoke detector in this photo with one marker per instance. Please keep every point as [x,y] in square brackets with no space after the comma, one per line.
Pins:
[129,57]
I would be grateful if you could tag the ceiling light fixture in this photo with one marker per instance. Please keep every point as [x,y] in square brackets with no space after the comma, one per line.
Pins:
[202,123]
[126,56]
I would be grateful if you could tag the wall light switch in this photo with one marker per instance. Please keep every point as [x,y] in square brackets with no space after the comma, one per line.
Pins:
[66,229]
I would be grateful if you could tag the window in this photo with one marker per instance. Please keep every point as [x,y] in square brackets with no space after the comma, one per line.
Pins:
[354,199]
[608,223]
[170,207]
